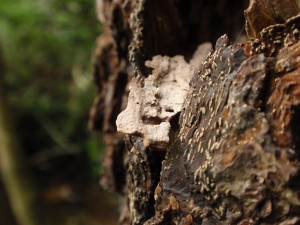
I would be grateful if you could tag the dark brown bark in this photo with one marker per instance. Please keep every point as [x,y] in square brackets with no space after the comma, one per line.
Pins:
[230,155]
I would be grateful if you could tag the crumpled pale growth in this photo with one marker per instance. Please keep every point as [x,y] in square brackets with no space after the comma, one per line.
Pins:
[152,102]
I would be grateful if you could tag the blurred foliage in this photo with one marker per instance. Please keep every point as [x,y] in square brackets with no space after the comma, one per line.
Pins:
[47,47]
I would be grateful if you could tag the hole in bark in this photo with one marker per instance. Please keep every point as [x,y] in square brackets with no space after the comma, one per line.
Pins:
[174,122]
[147,71]
[118,168]
[266,88]
[118,93]
[294,182]
[152,120]
[156,157]
[117,17]
[169,110]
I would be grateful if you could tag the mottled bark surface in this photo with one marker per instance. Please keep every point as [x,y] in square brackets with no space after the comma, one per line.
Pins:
[206,136]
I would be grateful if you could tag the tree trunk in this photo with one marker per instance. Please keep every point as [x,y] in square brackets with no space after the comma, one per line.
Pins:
[195,134]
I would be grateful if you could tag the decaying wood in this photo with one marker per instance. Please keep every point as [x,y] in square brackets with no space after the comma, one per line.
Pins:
[212,141]
[263,13]
[155,100]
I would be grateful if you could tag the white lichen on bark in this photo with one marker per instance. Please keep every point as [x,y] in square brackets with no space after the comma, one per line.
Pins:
[153,101]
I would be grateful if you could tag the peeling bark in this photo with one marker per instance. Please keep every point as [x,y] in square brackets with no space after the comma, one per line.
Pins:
[212,141]
[263,13]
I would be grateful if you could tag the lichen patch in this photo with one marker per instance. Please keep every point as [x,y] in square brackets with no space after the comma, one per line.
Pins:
[154,100]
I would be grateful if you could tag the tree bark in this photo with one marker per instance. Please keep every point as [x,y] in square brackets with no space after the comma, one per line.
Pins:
[200,135]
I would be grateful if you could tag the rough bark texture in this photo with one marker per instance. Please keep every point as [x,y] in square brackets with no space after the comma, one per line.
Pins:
[207,136]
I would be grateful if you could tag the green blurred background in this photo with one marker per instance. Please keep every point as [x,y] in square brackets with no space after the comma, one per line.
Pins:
[46,48]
